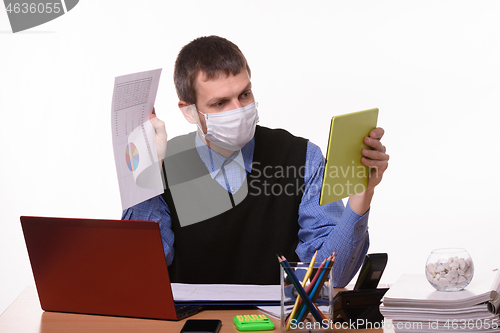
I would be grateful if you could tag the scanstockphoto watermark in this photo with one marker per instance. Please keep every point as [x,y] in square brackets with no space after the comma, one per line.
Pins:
[449,324]
[348,180]
[27,14]
[337,325]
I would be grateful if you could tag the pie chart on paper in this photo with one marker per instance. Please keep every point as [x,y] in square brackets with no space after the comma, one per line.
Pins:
[132,157]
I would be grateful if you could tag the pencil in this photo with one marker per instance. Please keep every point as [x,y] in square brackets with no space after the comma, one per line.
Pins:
[296,305]
[311,285]
[325,276]
[319,285]
[299,315]
[299,288]
[307,299]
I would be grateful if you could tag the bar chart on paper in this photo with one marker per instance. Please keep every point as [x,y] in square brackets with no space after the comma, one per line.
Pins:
[134,137]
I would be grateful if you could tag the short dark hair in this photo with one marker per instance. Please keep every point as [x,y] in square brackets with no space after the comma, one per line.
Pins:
[212,55]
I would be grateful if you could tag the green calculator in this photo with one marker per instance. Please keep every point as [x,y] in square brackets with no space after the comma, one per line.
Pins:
[253,323]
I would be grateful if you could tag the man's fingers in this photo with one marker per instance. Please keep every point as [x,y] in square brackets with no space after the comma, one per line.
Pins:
[160,131]
[379,165]
[152,115]
[157,123]
[160,134]
[375,154]
[377,133]
[375,144]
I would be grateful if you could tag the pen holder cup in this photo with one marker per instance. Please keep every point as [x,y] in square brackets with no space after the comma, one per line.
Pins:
[320,292]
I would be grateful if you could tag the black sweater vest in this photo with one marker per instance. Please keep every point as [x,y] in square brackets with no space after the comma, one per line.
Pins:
[240,245]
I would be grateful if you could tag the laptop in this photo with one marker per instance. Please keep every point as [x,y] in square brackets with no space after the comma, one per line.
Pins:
[104,267]
[344,174]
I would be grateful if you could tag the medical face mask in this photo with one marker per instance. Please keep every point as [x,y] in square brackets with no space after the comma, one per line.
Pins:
[232,129]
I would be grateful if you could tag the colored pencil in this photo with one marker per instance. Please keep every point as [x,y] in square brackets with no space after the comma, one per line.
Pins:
[299,288]
[311,285]
[306,277]
[314,293]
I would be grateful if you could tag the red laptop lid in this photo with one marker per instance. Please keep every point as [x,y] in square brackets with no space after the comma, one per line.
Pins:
[107,267]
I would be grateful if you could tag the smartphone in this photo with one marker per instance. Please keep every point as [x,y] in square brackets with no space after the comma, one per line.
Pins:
[201,326]
[371,271]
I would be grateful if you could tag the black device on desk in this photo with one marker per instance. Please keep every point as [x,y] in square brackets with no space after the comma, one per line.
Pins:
[201,326]
[361,305]
[371,271]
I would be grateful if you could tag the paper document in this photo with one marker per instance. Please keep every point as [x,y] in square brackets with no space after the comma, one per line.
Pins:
[225,292]
[134,146]
[413,291]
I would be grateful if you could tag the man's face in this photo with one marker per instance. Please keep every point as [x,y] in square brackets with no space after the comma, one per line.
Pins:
[223,93]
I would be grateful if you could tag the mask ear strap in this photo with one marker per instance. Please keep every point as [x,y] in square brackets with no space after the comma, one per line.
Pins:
[198,124]
[204,114]
[200,130]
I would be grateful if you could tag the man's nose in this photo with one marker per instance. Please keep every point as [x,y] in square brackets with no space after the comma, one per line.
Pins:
[235,104]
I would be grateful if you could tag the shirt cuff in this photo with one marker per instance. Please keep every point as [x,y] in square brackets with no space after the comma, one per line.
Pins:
[353,223]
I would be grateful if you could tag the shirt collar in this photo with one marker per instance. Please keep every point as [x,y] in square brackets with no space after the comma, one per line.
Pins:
[213,161]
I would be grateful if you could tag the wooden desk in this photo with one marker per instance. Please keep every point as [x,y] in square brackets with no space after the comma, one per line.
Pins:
[24,315]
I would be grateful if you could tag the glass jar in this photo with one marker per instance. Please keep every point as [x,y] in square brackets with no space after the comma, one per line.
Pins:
[449,269]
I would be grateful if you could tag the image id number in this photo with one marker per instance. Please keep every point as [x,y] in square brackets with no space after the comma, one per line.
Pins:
[33,8]
[471,324]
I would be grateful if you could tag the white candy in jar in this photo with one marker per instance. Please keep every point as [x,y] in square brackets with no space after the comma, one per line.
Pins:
[450,272]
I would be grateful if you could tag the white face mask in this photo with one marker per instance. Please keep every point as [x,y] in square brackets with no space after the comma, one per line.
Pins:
[232,129]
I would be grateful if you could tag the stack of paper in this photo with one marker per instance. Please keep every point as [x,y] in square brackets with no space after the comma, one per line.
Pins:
[414,305]
[226,294]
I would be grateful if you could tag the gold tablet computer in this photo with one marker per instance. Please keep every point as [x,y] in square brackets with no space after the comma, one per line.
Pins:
[344,174]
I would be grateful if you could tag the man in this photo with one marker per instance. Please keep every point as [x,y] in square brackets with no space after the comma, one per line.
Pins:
[230,155]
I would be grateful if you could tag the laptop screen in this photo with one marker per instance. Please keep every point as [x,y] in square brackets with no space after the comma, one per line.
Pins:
[108,267]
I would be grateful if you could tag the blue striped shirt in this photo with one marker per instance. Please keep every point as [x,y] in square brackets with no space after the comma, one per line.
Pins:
[322,228]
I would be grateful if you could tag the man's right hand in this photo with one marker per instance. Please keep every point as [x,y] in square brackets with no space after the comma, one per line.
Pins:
[160,136]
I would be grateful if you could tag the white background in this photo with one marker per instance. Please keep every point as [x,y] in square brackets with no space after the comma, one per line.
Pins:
[432,67]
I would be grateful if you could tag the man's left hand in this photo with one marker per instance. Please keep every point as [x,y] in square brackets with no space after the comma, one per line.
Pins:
[375,158]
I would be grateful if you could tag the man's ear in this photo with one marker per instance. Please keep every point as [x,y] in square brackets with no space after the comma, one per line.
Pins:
[189,112]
